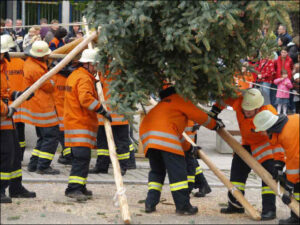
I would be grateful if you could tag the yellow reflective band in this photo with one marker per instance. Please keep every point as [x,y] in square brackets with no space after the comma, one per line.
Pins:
[123,156]
[131,148]
[103,152]
[22,144]
[154,186]
[36,152]
[267,190]
[198,170]
[66,151]
[179,185]
[297,196]
[239,185]
[4,176]
[77,180]
[191,179]
[46,155]
[16,174]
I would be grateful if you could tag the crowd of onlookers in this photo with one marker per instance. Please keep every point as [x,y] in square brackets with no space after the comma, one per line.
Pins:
[49,34]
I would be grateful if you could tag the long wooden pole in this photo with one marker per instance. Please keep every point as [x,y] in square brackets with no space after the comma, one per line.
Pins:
[257,167]
[54,71]
[23,55]
[112,154]
[234,191]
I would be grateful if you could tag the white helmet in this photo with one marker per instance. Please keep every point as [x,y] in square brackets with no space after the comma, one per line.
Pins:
[253,99]
[10,40]
[4,44]
[88,55]
[39,49]
[264,120]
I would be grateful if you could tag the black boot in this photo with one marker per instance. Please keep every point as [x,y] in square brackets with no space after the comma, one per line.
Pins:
[149,208]
[5,199]
[78,195]
[123,171]
[87,193]
[231,209]
[189,210]
[294,219]
[205,189]
[31,168]
[48,171]
[64,160]
[97,170]
[270,215]
[21,193]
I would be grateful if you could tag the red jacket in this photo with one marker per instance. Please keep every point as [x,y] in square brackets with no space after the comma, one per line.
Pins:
[288,66]
[267,69]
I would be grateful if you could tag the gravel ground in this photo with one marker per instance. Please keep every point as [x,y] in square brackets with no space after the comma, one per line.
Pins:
[52,207]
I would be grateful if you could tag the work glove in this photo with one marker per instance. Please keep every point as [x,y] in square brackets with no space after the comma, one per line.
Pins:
[194,151]
[196,127]
[104,113]
[10,112]
[219,124]
[288,193]
[278,174]
[17,94]
[215,111]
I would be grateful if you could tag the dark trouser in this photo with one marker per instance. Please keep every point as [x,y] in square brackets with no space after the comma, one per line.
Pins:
[273,95]
[297,106]
[131,161]
[238,176]
[160,163]
[45,148]
[291,105]
[296,196]
[11,172]
[196,178]
[80,167]
[66,152]
[20,127]
[121,138]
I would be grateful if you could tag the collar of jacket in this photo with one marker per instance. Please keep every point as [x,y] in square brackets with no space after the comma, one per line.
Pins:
[83,70]
[167,92]
[40,63]
[278,126]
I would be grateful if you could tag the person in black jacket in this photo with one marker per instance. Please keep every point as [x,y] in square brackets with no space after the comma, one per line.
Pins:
[293,49]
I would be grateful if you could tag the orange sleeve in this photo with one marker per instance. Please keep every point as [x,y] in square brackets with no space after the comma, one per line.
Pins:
[86,97]
[4,109]
[233,102]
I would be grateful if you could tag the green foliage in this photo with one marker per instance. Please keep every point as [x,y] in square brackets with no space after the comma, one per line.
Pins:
[179,41]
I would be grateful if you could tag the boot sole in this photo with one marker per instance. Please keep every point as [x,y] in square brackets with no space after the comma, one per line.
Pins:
[20,196]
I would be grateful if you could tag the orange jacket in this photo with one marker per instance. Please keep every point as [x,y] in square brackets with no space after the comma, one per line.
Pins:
[4,108]
[239,80]
[59,97]
[81,104]
[39,110]
[5,95]
[117,119]
[162,127]
[188,130]
[259,144]
[289,139]
[15,80]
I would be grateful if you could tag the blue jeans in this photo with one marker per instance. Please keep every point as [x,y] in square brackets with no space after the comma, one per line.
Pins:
[265,92]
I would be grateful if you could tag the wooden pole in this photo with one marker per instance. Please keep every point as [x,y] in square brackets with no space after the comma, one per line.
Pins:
[54,71]
[234,191]
[23,55]
[257,167]
[112,154]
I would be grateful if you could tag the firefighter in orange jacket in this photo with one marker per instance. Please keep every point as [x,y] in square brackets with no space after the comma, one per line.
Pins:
[10,165]
[161,133]
[284,130]
[58,40]
[120,131]
[196,178]
[15,81]
[80,121]
[40,110]
[246,108]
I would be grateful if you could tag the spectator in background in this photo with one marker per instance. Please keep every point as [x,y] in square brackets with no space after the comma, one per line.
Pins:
[20,33]
[284,62]
[73,34]
[282,41]
[32,36]
[44,29]
[293,49]
[282,98]
[265,77]
[283,32]
[10,31]
[79,35]
[2,30]
[296,87]
[58,41]
[50,34]
[266,32]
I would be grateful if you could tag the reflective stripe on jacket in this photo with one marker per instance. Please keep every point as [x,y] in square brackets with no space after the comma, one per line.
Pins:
[39,110]
[162,127]
[188,130]
[289,140]
[81,104]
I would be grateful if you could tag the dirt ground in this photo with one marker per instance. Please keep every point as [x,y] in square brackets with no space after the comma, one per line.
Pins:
[52,207]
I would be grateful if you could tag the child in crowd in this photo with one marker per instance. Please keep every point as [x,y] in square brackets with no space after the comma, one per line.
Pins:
[284,84]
